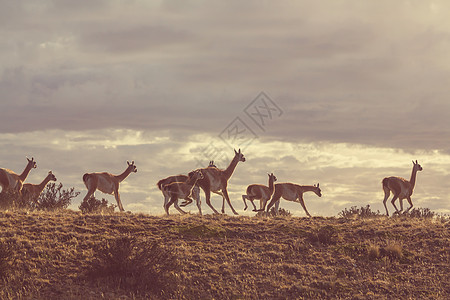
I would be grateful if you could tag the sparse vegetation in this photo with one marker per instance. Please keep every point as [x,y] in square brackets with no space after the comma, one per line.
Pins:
[141,268]
[54,197]
[373,252]
[6,255]
[10,200]
[93,205]
[362,212]
[70,255]
[422,213]
[325,235]
[393,250]
[273,213]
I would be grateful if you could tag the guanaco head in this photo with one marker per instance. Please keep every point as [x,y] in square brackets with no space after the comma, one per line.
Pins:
[132,166]
[195,175]
[32,163]
[317,190]
[417,166]
[51,176]
[271,176]
[239,155]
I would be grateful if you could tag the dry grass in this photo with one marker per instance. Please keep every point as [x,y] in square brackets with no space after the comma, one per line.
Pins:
[69,255]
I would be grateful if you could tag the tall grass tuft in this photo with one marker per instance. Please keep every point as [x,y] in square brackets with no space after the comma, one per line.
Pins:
[6,254]
[393,250]
[139,267]
[326,235]
[373,252]
[11,200]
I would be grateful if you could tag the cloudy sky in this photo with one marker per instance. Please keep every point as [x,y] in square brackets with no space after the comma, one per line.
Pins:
[338,92]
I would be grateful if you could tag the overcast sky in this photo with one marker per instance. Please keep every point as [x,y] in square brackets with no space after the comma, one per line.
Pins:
[338,92]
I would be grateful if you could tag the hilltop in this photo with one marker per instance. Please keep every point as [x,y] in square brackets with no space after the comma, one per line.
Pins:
[65,255]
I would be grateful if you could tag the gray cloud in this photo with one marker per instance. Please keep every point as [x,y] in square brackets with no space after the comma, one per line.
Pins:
[342,72]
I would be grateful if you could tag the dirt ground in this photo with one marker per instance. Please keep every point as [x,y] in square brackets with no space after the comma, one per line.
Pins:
[223,257]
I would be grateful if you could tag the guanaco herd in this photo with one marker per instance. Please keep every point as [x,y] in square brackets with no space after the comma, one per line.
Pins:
[209,179]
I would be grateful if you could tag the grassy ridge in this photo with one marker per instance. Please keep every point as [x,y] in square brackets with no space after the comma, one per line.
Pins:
[222,257]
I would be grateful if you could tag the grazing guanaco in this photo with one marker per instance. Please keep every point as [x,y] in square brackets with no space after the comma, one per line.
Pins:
[107,183]
[292,192]
[216,180]
[32,191]
[180,190]
[259,192]
[11,181]
[401,188]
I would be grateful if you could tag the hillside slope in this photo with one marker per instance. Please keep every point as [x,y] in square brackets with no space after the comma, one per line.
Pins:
[222,257]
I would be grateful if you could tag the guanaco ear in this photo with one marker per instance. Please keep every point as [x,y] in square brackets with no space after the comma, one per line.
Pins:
[50,172]
[416,162]
[317,184]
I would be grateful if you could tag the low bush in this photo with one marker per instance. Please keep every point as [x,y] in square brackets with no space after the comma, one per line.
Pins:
[362,212]
[139,267]
[325,235]
[424,213]
[54,197]
[93,205]
[273,213]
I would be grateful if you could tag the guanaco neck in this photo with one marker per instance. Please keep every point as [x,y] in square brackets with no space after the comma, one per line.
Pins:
[191,181]
[125,174]
[307,188]
[271,186]
[25,172]
[44,182]
[229,171]
[412,181]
